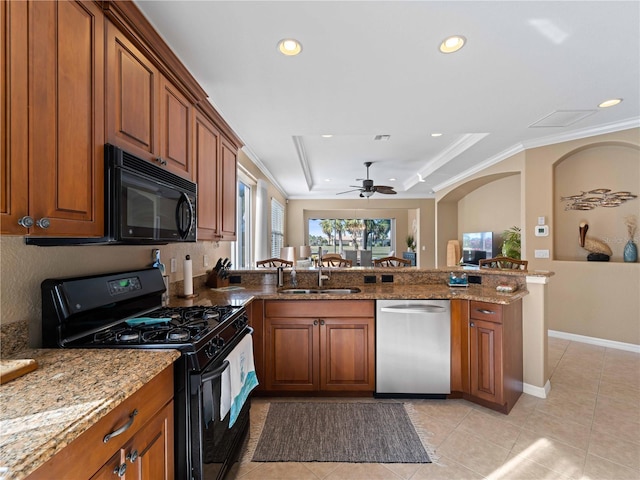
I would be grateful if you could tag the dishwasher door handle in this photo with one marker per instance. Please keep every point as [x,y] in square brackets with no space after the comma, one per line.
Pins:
[420,309]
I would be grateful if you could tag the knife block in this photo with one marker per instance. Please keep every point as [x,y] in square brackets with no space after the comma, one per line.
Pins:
[214,281]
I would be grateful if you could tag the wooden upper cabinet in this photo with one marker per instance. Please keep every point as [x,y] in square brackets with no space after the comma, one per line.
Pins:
[228,190]
[175,129]
[65,127]
[147,115]
[206,149]
[216,175]
[132,92]
[14,146]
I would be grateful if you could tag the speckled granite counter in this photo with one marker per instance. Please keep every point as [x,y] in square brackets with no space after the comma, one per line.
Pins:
[408,283]
[43,411]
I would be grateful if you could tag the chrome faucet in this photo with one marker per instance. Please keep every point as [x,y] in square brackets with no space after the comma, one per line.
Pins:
[321,277]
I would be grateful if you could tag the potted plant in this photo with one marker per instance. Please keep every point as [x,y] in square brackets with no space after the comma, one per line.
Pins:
[511,242]
[411,243]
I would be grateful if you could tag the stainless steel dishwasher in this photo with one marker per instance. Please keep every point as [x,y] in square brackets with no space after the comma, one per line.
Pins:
[413,348]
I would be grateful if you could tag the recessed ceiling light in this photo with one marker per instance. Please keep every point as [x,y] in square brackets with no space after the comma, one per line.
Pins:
[610,103]
[289,46]
[436,134]
[327,179]
[392,179]
[452,44]
[327,136]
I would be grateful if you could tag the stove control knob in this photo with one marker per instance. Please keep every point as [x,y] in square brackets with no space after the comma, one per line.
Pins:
[219,342]
[210,350]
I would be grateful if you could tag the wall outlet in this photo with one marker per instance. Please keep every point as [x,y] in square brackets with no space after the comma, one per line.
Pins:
[387,279]
[369,279]
[541,254]
[174,265]
[205,261]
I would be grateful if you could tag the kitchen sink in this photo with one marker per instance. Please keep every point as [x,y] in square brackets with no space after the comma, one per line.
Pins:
[307,291]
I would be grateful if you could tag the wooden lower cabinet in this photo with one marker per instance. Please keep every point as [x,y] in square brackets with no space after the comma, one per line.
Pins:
[143,451]
[494,354]
[319,345]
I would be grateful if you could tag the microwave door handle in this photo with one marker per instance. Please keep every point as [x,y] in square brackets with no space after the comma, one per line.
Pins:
[184,200]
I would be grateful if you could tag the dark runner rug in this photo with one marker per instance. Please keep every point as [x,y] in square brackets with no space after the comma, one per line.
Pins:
[339,432]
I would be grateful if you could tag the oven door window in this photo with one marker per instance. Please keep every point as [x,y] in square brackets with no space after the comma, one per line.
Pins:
[152,210]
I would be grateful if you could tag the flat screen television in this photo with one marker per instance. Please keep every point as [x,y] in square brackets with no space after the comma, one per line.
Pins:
[476,246]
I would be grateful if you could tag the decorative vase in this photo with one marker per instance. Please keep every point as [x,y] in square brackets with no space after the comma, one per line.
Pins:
[630,252]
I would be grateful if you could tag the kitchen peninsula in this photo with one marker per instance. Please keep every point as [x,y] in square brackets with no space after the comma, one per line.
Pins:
[404,283]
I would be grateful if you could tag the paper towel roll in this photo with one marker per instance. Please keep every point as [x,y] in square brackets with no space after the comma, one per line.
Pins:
[188,276]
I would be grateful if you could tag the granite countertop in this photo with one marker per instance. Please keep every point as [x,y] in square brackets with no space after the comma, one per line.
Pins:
[44,410]
[243,295]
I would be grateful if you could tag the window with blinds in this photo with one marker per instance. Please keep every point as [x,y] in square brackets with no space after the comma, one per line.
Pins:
[277,228]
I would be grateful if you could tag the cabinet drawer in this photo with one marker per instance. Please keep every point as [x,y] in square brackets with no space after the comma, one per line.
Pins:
[88,452]
[490,312]
[319,308]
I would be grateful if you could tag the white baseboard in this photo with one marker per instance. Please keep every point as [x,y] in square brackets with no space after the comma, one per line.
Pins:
[630,347]
[540,392]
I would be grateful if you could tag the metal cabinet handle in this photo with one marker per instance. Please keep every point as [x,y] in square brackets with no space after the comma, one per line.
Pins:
[43,223]
[486,312]
[133,456]
[122,429]
[26,222]
[472,324]
[120,469]
[315,322]
[321,322]
[161,161]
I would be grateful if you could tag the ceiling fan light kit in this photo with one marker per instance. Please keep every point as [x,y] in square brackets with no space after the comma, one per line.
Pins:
[368,188]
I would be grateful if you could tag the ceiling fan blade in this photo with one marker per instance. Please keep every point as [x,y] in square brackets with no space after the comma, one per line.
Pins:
[385,189]
[349,191]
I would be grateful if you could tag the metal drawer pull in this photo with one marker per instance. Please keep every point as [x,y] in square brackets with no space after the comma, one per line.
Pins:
[133,456]
[43,223]
[486,312]
[120,469]
[26,221]
[122,429]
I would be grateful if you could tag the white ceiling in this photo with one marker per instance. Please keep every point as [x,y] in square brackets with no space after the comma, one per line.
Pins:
[373,67]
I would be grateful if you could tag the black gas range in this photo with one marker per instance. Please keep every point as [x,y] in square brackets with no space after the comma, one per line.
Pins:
[124,310]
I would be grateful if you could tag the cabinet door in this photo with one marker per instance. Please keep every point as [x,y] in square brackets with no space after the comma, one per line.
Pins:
[291,354]
[485,351]
[14,144]
[228,189]
[346,354]
[206,141]
[112,468]
[132,91]
[66,133]
[149,454]
[175,129]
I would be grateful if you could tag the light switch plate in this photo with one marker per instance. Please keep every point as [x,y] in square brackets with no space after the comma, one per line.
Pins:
[541,253]
[174,265]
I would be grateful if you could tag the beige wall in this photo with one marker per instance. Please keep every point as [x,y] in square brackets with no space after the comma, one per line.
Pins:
[595,299]
[494,207]
[404,211]
[585,298]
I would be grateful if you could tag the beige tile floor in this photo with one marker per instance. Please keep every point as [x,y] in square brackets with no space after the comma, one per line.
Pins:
[588,428]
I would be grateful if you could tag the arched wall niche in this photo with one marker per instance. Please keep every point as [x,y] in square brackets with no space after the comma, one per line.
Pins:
[603,165]
[495,199]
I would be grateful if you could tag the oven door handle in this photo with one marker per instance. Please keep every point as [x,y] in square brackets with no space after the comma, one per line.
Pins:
[215,373]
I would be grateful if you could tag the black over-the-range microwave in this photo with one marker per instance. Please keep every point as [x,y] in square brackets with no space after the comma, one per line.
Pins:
[144,204]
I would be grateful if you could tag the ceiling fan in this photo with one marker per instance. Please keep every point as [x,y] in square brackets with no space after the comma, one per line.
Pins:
[368,188]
